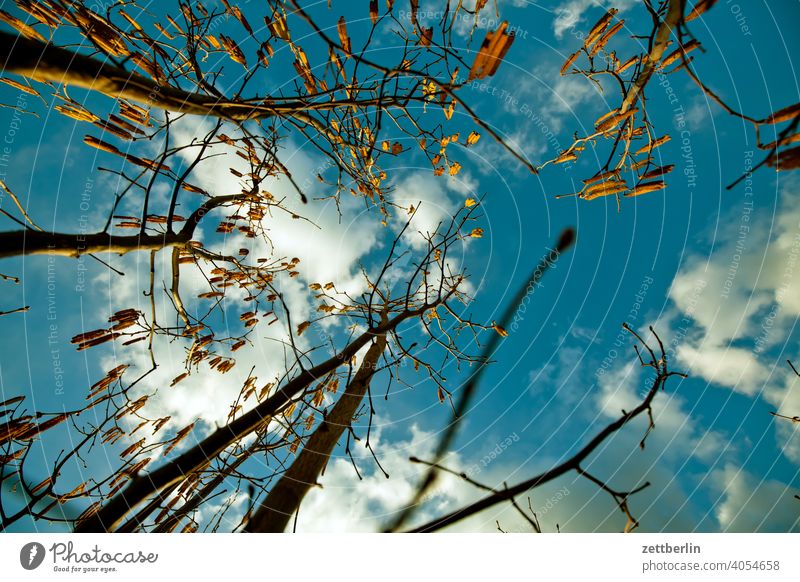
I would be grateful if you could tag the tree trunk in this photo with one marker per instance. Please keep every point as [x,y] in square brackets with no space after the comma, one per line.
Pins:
[671,21]
[37,60]
[285,497]
[35,242]
[108,517]
[44,62]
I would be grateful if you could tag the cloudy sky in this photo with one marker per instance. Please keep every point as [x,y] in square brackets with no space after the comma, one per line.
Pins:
[716,272]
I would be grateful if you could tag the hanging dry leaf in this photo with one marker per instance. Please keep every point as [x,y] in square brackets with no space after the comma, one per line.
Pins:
[425,36]
[20,87]
[344,39]
[651,146]
[604,189]
[565,157]
[784,141]
[414,8]
[179,436]
[601,176]
[500,330]
[785,160]
[656,172]
[677,53]
[614,120]
[784,114]
[568,63]
[645,188]
[24,29]
[373,11]
[277,26]
[627,64]
[178,379]
[603,40]
[699,8]
[494,48]
[233,50]
[599,27]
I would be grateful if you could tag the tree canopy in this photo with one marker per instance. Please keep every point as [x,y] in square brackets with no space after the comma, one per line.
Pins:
[221,377]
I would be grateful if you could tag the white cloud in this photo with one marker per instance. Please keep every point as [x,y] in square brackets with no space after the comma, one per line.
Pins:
[463,183]
[737,309]
[570,14]
[566,95]
[541,112]
[572,503]
[433,206]
[347,503]
[206,395]
[677,434]
[668,504]
[330,246]
[698,113]
[487,18]
[749,505]
[730,366]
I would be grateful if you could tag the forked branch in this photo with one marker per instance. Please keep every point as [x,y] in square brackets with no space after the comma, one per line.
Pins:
[574,463]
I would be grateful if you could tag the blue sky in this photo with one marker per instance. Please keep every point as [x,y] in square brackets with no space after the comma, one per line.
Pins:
[712,270]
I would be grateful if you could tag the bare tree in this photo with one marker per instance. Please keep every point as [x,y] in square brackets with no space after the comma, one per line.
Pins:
[795,418]
[353,108]
[656,359]
[631,168]
[159,68]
